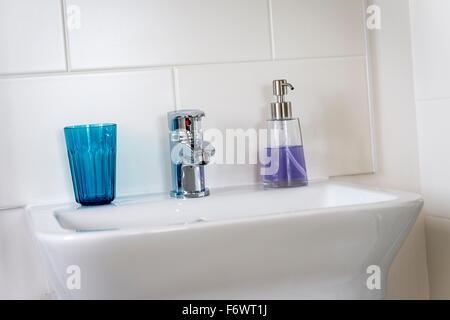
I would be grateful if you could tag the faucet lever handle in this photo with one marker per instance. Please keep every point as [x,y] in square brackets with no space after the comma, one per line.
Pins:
[207,151]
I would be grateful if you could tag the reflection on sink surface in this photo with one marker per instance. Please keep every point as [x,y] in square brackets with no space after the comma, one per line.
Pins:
[224,204]
[239,243]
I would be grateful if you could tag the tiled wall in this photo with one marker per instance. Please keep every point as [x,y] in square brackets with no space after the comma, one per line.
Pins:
[130,62]
[431,49]
[22,274]
[396,139]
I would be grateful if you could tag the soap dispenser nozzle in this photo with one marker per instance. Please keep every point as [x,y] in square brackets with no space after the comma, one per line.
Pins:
[280,87]
[281,109]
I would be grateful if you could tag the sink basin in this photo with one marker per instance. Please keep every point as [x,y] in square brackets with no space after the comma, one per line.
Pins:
[239,243]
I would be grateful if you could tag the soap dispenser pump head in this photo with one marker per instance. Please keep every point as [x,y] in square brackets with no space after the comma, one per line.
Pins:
[280,87]
[281,109]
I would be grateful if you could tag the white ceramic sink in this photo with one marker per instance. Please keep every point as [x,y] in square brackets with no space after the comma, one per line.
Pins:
[238,243]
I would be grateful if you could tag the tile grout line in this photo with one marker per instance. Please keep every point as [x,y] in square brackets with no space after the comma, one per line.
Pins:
[370,94]
[66,37]
[160,67]
[435,99]
[411,40]
[81,72]
[176,87]
[272,36]
[416,100]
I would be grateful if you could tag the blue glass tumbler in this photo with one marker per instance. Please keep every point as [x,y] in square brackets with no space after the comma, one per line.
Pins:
[92,156]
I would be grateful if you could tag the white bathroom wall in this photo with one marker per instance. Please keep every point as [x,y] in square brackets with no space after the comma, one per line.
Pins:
[396,139]
[117,33]
[31,36]
[22,275]
[431,49]
[328,92]
[130,62]
[38,109]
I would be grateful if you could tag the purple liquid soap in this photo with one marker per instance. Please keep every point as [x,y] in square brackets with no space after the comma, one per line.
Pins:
[291,167]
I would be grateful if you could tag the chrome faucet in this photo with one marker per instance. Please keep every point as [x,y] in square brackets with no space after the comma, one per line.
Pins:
[189,154]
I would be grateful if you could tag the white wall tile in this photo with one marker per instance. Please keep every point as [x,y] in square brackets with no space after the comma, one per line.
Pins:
[117,33]
[431,50]
[330,97]
[434,151]
[318,28]
[431,47]
[34,168]
[31,36]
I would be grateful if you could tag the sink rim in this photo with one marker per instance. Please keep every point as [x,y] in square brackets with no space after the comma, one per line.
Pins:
[44,223]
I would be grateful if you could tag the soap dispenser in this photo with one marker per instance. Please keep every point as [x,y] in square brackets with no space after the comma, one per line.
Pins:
[285,162]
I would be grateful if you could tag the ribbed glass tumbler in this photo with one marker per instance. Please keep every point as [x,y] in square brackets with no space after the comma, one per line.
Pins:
[92,156]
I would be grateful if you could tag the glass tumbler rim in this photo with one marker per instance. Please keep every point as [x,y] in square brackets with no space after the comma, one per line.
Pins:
[87,126]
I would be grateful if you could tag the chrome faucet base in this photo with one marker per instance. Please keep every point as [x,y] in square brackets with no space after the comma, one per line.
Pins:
[189,195]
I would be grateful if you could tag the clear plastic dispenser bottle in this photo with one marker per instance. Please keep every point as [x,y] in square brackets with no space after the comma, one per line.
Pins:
[285,163]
